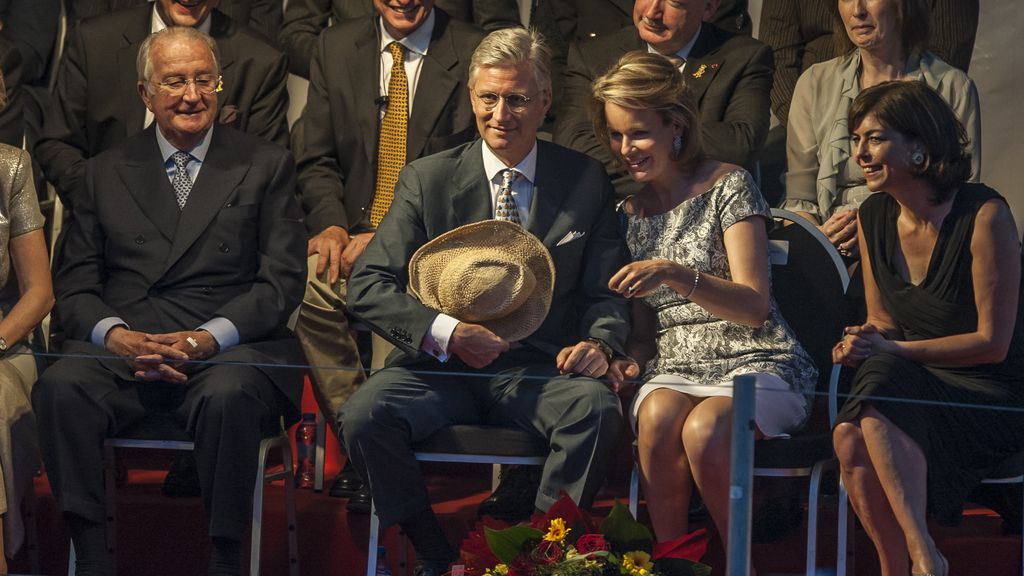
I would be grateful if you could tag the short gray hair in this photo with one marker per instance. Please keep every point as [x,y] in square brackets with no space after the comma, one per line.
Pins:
[511,47]
[144,63]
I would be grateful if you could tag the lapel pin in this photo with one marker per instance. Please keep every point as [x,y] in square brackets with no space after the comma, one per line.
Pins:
[700,71]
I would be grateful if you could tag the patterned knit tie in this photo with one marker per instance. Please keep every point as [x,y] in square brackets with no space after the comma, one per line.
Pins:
[181,182]
[506,208]
[391,144]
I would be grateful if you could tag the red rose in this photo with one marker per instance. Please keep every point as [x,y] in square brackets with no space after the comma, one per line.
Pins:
[547,553]
[591,543]
[521,566]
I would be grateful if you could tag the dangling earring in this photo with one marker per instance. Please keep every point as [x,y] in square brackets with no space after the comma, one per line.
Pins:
[917,158]
[677,146]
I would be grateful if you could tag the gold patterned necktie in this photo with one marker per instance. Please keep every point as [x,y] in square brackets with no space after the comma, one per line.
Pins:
[391,143]
[505,207]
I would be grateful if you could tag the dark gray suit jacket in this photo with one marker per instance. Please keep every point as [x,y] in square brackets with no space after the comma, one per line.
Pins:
[441,192]
[262,15]
[585,19]
[305,19]
[336,138]
[96,104]
[730,76]
[237,250]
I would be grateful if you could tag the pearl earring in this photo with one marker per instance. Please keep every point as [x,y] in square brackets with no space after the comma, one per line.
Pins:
[917,158]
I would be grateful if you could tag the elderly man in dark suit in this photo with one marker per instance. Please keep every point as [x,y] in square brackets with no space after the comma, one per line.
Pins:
[95,106]
[730,76]
[262,15]
[187,246]
[365,105]
[547,383]
[305,19]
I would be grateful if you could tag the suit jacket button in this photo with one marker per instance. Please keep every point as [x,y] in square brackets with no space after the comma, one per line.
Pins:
[207,290]
[223,248]
[140,239]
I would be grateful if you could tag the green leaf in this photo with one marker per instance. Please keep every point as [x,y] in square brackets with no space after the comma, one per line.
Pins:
[508,543]
[624,533]
[681,567]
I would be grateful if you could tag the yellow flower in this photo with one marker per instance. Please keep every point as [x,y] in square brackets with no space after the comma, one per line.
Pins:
[636,563]
[556,531]
[499,570]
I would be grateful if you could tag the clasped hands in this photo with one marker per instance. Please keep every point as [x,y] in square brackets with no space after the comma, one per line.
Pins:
[858,343]
[477,346]
[337,251]
[161,357]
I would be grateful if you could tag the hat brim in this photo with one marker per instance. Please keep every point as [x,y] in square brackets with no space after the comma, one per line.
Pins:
[427,265]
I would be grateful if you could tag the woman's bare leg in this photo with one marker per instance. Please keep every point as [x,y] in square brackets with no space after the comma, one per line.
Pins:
[664,470]
[869,500]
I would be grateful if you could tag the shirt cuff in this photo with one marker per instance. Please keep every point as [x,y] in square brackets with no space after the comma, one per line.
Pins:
[436,341]
[222,330]
[99,332]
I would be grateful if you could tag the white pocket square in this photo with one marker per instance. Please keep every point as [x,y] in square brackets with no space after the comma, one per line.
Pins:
[569,237]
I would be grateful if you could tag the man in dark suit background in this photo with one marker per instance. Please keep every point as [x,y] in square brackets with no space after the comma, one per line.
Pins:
[305,19]
[730,76]
[338,141]
[188,245]
[96,105]
[262,15]
[545,384]
[585,19]
[27,32]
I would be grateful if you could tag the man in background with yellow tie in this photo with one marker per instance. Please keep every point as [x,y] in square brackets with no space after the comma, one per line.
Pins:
[383,91]
[446,371]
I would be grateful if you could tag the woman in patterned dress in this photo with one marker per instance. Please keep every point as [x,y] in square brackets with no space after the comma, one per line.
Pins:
[22,306]
[701,288]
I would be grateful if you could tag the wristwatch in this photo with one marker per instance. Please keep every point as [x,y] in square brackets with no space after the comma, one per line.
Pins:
[605,348]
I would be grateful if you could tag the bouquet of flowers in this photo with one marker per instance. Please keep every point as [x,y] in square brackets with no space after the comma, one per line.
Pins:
[566,542]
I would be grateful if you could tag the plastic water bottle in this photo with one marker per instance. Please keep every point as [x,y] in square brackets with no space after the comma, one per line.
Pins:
[305,440]
[383,568]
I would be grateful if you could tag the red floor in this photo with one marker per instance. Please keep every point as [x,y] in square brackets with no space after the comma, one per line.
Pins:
[164,536]
[167,537]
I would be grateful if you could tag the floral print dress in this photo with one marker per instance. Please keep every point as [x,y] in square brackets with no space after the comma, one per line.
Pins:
[698,353]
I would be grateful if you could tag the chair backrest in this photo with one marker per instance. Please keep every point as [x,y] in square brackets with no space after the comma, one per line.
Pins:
[809,282]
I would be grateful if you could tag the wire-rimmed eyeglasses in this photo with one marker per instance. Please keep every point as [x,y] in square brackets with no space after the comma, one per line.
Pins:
[514,102]
[178,85]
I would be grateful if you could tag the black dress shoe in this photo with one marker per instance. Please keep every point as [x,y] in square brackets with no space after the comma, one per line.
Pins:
[513,500]
[183,477]
[359,503]
[426,568]
[346,483]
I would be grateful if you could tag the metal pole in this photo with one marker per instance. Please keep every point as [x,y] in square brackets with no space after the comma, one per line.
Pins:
[741,474]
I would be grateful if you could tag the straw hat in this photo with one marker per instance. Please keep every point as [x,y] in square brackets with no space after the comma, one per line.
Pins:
[491,273]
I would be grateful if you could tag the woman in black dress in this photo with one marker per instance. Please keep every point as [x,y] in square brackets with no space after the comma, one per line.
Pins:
[942,275]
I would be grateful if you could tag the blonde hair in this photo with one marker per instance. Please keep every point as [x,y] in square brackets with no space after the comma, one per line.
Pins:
[511,47]
[645,81]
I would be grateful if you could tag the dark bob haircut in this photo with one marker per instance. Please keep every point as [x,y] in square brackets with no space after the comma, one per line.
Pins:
[918,113]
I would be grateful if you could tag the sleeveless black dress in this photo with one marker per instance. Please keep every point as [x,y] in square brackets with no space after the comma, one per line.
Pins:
[951,412]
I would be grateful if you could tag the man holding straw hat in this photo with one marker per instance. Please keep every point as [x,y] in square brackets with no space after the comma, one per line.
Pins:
[489,274]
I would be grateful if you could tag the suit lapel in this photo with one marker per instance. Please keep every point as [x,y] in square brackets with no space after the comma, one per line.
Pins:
[431,97]
[471,200]
[218,178]
[626,6]
[145,177]
[548,197]
[220,28]
[704,62]
[132,35]
[364,80]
